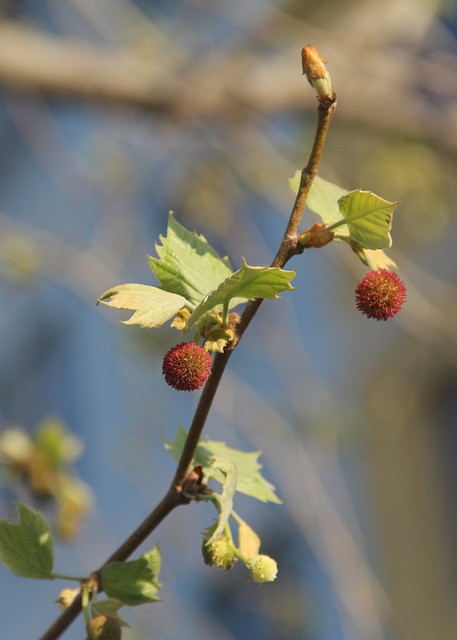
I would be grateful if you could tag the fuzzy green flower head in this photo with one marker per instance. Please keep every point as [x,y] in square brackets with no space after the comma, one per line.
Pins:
[380,294]
[103,628]
[263,569]
[187,366]
[219,553]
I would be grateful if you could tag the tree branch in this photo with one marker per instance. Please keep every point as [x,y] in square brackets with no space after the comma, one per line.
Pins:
[175,496]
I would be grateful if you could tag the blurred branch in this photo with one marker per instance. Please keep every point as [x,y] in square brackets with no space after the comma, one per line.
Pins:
[219,86]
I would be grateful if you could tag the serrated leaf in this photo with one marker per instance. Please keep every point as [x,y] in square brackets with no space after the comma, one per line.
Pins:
[153,306]
[225,499]
[108,607]
[249,479]
[133,582]
[26,548]
[248,541]
[187,264]
[245,284]
[368,218]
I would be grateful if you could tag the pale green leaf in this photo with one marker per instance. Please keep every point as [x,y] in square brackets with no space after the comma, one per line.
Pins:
[133,582]
[245,284]
[373,258]
[248,541]
[249,479]
[368,217]
[153,306]
[225,499]
[108,607]
[187,264]
[323,199]
[26,548]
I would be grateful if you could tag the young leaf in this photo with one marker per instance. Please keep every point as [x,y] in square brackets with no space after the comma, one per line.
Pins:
[225,499]
[368,217]
[108,607]
[249,479]
[133,582]
[26,548]
[187,264]
[245,284]
[152,306]
[323,199]
[248,541]
[373,258]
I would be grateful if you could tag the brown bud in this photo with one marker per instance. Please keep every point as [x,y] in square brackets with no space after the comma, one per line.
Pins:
[312,62]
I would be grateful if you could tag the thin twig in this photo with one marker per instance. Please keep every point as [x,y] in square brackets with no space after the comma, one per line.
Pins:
[174,496]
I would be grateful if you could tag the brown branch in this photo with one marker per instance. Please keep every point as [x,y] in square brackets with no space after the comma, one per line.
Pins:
[175,496]
[289,245]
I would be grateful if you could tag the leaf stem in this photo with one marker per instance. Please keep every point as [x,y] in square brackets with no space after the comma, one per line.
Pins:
[62,576]
[335,225]
[85,604]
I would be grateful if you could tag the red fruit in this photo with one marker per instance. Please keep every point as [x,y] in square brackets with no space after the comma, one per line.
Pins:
[380,294]
[187,366]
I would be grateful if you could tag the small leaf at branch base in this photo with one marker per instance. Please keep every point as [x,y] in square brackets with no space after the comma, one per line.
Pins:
[152,306]
[26,548]
[249,479]
[133,582]
[108,607]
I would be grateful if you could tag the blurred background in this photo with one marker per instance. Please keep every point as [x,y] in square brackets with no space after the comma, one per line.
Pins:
[113,112]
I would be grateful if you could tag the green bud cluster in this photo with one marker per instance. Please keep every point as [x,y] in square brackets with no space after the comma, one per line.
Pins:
[263,569]
[219,552]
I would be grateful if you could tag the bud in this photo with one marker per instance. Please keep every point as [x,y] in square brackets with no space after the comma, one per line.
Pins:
[186,366]
[263,569]
[380,294]
[314,68]
[219,553]
[103,628]
[66,597]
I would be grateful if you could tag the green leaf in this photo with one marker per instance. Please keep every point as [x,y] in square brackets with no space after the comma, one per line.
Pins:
[373,258]
[323,199]
[187,264]
[133,582]
[108,607]
[26,548]
[225,499]
[245,284]
[249,479]
[368,218]
[330,202]
[153,306]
